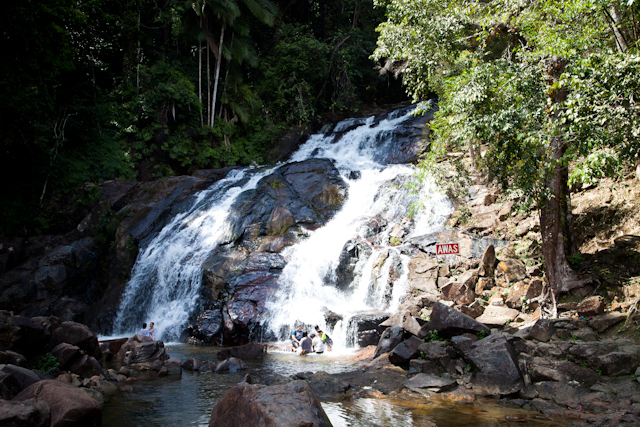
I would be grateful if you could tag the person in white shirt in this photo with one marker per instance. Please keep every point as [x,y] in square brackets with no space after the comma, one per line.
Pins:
[152,331]
[318,345]
[144,330]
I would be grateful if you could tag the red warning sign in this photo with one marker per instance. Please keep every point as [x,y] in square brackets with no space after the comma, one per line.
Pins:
[447,249]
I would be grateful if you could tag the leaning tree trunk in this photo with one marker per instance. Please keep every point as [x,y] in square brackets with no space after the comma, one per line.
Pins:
[555,212]
[217,76]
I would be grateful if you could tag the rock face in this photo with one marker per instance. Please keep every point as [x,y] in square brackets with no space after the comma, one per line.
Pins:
[293,404]
[69,405]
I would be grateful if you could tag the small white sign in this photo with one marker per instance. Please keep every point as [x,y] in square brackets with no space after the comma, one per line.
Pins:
[447,249]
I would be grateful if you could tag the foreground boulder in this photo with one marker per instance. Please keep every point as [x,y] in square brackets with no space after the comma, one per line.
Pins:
[141,349]
[70,406]
[29,413]
[78,335]
[293,404]
[496,367]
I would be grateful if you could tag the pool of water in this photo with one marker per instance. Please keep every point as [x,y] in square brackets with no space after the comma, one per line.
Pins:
[188,401]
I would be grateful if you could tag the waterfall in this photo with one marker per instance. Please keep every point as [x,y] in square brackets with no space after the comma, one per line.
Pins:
[166,279]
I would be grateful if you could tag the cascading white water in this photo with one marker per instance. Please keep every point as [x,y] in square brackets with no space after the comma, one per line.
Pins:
[166,279]
[305,294]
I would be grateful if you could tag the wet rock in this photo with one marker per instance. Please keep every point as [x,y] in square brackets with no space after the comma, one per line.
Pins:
[389,339]
[209,326]
[351,253]
[449,322]
[141,349]
[253,350]
[245,403]
[405,351]
[79,335]
[231,364]
[497,315]
[28,413]
[542,330]
[326,385]
[592,306]
[496,367]
[192,365]
[368,328]
[69,405]
[430,383]
[110,348]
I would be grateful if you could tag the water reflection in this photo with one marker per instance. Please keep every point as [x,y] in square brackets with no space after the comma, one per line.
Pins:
[188,401]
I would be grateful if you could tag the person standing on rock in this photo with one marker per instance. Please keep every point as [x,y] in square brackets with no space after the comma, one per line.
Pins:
[318,345]
[152,331]
[305,344]
[296,336]
[144,331]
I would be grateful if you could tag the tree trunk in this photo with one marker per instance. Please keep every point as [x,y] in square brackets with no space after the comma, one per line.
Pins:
[217,76]
[208,85]
[200,75]
[555,212]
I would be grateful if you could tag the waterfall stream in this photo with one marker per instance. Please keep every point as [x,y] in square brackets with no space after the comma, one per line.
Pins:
[167,276]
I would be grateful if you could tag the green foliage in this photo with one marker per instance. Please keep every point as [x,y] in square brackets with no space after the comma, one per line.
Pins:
[481,334]
[48,363]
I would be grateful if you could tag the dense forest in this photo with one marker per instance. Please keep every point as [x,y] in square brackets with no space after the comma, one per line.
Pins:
[543,95]
[140,89]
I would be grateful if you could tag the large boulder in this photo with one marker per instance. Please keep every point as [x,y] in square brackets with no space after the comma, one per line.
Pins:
[22,335]
[24,377]
[390,338]
[253,350]
[28,413]
[424,383]
[70,406]
[496,369]
[367,327]
[141,349]
[231,364]
[289,405]
[449,322]
[79,335]
[405,351]
[405,320]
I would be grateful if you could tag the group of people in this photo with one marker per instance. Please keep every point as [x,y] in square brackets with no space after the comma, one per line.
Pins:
[151,332]
[314,343]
